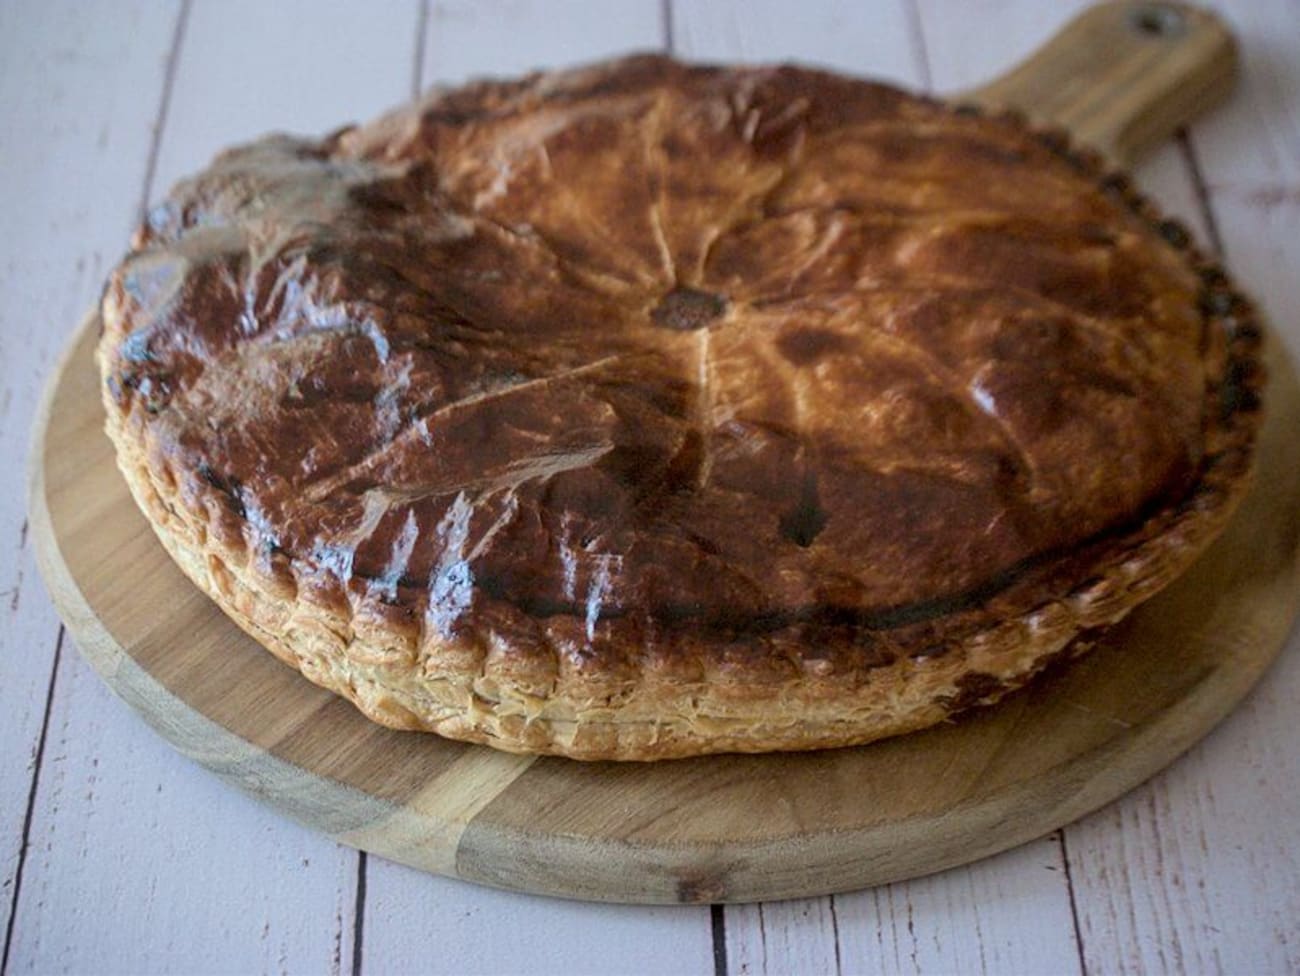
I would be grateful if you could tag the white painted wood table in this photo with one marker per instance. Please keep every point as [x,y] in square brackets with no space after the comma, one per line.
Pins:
[117,855]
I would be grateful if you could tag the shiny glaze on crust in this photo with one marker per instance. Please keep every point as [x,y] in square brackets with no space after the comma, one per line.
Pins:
[723,348]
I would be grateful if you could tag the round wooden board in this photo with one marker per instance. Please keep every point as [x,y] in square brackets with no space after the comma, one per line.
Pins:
[728,828]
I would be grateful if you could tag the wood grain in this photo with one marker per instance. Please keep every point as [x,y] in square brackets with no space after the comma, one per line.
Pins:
[422,924]
[1257,144]
[286,895]
[71,90]
[673,824]
[291,73]
[1123,76]
[469,38]
[1194,871]
[875,40]
[1008,913]
[726,828]
[414,923]
[1238,790]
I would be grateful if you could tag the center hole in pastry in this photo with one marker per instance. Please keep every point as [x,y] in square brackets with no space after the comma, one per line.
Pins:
[688,309]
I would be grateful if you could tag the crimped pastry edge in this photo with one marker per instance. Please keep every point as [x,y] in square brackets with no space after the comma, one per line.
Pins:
[651,715]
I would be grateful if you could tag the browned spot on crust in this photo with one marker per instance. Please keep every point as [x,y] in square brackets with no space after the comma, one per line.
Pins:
[805,346]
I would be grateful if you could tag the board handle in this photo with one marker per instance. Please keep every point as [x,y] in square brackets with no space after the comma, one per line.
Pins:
[1122,77]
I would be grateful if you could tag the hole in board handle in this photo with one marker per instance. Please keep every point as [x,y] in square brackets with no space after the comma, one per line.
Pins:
[1158,20]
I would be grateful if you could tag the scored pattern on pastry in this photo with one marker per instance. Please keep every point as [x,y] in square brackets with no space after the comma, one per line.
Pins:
[599,362]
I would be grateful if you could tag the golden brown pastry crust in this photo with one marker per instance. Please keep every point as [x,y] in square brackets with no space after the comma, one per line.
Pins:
[643,411]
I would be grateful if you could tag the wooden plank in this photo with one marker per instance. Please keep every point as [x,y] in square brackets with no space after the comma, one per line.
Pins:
[1257,142]
[870,39]
[414,922]
[1249,158]
[875,39]
[1196,870]
[796,936]
[77,102]
[1007,914]
[817,954]
[1259,223]
[960,920]
[470,38]
[418,923]
[141,862]
[249,67]
[127,837]
[735,827]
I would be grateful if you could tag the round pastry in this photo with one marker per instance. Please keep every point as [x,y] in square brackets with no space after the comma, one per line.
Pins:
[648,410]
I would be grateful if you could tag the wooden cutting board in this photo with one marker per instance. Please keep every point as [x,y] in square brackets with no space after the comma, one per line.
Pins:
[729,828]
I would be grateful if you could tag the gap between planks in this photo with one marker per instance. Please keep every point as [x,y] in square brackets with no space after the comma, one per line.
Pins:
[921,77]
[24,843]
[164,104]
[59,666]
[717,912]
[169,74]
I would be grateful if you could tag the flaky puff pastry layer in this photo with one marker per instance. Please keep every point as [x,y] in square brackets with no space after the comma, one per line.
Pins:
[505,455]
